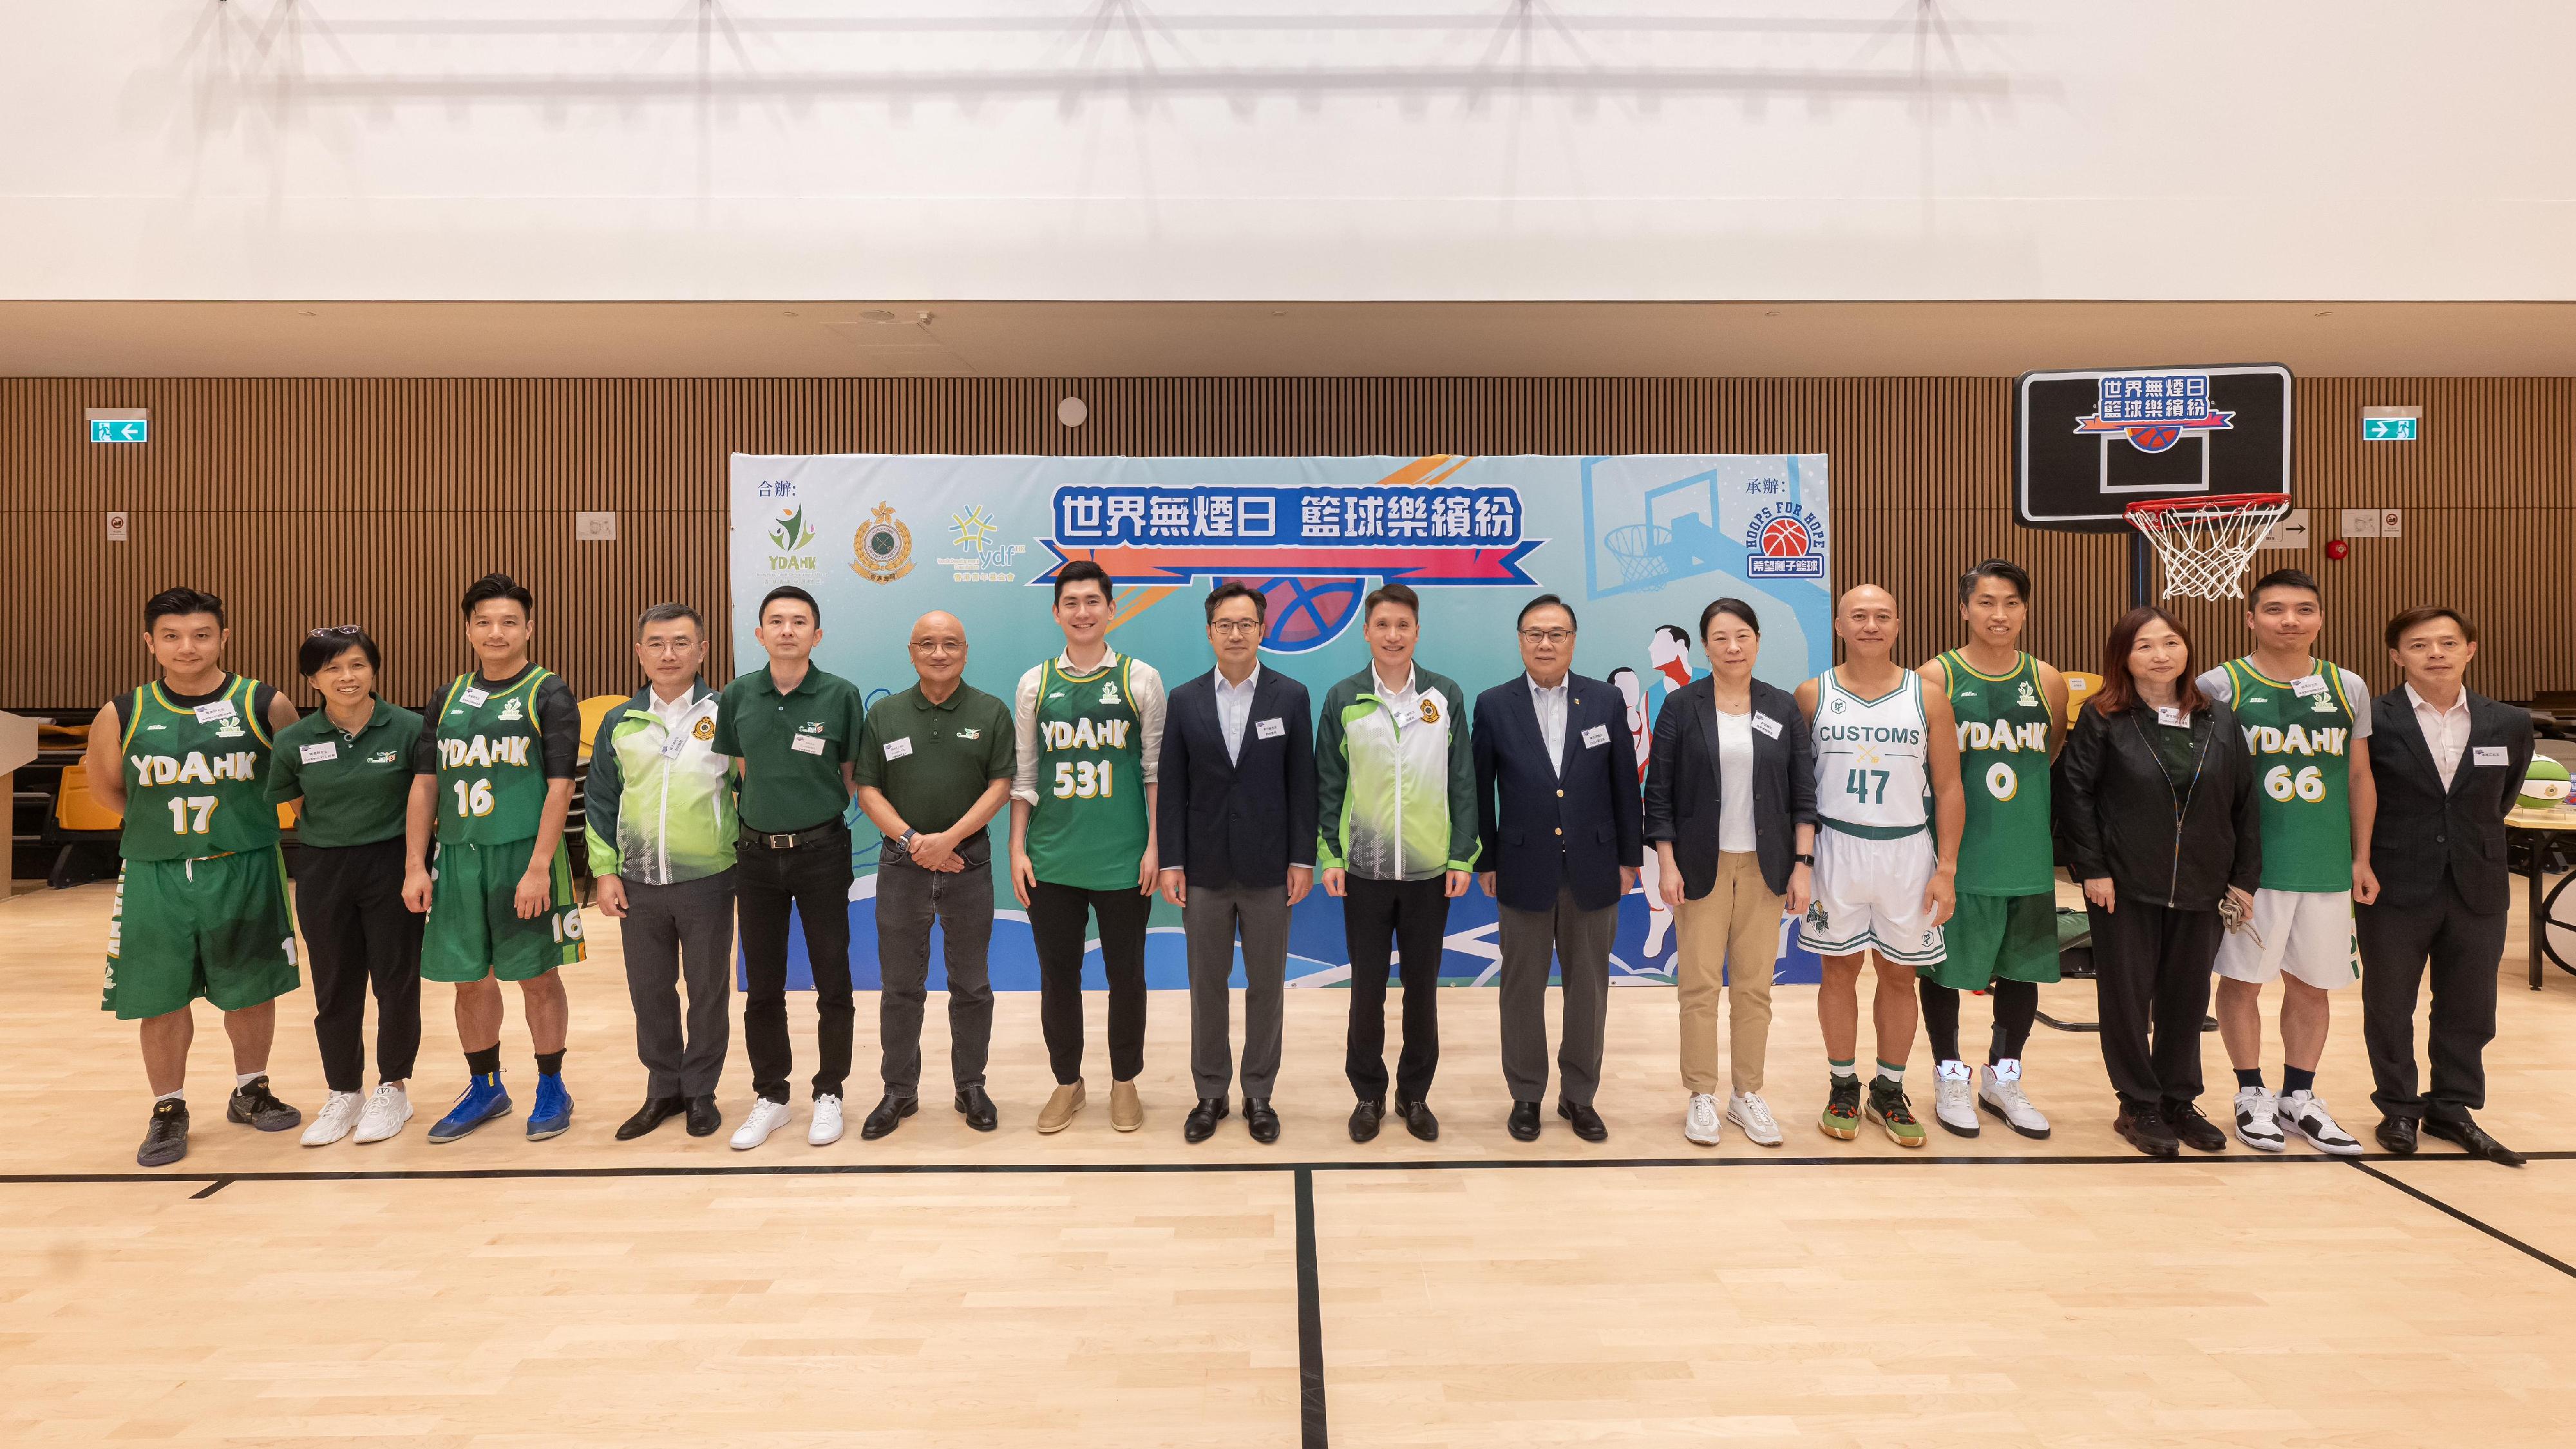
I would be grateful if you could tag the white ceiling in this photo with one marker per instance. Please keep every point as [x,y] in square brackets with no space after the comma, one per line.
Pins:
[1104,339]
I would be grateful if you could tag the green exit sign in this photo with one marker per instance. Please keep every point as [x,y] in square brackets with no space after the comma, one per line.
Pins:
[120,425]
[2389,425]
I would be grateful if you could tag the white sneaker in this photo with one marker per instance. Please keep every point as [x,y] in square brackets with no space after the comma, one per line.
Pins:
[1999,1090]
[339,1113]
[825,1129]
[386,1113]
[1748,1111]
[2303,1113]
[1700,1122]
[2258,1123]
[1954,1099]
[766,1117]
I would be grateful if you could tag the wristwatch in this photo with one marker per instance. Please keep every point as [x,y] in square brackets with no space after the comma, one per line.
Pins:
[907,838]
[1804,859]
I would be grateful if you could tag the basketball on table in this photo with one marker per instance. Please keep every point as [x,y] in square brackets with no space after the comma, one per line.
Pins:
[2544,785]
[1306,613]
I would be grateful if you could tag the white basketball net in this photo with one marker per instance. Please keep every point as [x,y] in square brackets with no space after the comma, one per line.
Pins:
[2204,545]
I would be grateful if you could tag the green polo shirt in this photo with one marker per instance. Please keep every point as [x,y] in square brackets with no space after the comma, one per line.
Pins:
[355,788]
[934,761]
[791,746]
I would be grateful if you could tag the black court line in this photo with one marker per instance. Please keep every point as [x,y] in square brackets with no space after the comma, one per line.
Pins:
[2499,1234]
[1310,1322]
[1488,1164]
[210,1189]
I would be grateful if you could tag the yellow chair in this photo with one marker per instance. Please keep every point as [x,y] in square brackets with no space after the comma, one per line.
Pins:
[593,710]
[2079,688]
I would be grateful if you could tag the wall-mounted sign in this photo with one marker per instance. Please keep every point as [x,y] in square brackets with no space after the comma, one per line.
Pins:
[2390,425]
[120,425]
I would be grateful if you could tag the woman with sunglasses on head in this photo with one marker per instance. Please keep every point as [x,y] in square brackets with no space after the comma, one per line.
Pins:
[349,765]
[2157,809]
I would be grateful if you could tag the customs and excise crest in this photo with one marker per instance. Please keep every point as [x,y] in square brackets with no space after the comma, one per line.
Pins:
[882,552]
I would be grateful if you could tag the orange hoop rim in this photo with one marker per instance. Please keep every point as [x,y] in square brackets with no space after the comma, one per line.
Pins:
[2148,515]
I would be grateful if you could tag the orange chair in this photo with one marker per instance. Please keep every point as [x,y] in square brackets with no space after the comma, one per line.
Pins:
[2079,688]
[593,710]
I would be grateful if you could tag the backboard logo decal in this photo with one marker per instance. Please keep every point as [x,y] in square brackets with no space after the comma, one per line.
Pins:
[2154,410]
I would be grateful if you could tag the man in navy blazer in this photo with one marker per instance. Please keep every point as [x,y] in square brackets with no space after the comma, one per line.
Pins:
[1234,821]
[1557,810]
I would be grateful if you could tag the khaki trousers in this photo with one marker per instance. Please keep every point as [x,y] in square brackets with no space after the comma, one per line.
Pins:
[1736,923]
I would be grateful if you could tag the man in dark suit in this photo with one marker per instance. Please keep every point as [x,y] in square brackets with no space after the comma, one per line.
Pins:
[1558,816]
[2448,764]
[1235,819]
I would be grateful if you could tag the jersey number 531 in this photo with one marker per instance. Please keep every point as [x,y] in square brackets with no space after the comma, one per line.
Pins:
[1082,779]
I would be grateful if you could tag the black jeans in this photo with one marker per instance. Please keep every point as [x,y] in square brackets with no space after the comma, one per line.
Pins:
[2151,984]
[2463,948]
[349,901]
[1058,915]
[1415,914]
[908,900]
[815,880]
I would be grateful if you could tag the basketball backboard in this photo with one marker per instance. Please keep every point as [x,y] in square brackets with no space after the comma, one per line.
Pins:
[1648,523]
[2088,443]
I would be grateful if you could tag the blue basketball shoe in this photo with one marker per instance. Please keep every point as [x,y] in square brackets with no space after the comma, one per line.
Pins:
[482,1100]
[552,1112]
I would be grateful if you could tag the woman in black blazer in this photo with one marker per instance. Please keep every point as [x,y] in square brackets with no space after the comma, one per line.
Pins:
[1731,814]
[2157,811]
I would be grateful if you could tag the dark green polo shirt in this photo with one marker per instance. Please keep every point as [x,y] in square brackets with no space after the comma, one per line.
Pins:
[355,788]
[934,761]
[792,747]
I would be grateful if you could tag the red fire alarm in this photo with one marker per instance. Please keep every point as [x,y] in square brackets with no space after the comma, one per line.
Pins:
[2338,550]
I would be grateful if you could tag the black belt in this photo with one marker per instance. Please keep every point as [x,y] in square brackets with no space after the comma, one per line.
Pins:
[810,835]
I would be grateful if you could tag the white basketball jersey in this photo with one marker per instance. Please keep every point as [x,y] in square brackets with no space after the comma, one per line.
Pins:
[1870,757]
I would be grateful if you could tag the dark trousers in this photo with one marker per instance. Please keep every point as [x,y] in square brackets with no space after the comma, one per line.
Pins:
[814,879]
[2463,948]
[2151,985]
[1058,915]
[1577,941]
[348,899]
[672,934]
[1210,922]
[908,900]
[1415,915]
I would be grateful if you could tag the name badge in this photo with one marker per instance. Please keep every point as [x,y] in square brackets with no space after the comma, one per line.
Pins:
[806,744]
[316,754]
[221,709]
[474,698]
[2170,715]
[2488,755]
[894,749]
[1766,724]
[1595,737]
[1269,729]
[2309,684]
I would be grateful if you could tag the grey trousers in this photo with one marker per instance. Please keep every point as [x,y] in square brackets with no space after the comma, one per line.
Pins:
[908,900]
[1209,923]
[1579,940]
[676,933]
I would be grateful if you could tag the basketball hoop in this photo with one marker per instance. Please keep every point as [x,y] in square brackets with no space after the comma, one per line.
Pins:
[1640,548]
[2205,543]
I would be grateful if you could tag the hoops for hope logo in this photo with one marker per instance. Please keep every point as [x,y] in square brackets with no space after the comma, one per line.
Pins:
[1784,541]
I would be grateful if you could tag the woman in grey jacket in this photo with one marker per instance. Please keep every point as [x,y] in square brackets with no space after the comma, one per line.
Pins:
[2157,811]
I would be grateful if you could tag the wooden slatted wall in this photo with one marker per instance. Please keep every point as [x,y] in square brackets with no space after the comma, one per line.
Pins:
[315,501]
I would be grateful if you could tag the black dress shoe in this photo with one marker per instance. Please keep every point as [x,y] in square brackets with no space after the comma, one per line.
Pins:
[889,1114]
[1263,1122]
[2474,1138]
[1200,1125]
[976,1108]
[1364,1120]
[1418,1120]
[654,1112]
[1524,1122]
[2397,1134]
[1587,1123]
[2192,1126]
[704,1116]
[2145,1129]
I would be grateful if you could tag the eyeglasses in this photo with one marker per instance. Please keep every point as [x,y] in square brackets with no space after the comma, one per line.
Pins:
[1233,627]
[329,631]
[1547,636]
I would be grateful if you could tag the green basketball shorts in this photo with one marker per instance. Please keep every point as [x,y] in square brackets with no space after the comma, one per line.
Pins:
[221,927]
[474,927]
[1998,938]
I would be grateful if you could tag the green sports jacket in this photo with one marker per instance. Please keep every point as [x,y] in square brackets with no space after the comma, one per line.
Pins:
[1395,803]
[660,811]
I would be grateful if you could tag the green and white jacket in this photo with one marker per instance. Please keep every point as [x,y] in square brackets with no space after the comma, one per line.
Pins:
[660,801]
[1396,780]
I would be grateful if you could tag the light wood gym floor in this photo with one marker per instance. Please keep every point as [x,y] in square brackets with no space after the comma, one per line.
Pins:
[1094,1289]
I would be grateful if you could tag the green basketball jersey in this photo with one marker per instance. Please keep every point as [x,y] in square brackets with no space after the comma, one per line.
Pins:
[491,761]
[196,780]
[2003,774]
[1089,827]
[2300,737]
